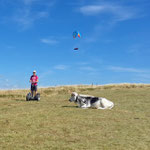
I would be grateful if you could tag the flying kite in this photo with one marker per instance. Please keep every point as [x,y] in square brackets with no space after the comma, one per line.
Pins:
[76,34]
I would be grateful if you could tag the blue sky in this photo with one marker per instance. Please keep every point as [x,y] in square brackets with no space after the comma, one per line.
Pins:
[37,35]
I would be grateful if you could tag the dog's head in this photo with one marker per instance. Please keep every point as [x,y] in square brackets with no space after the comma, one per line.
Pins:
[73,97]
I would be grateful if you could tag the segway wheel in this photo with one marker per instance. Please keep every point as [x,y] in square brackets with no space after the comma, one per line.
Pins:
[37,97]
[28,97]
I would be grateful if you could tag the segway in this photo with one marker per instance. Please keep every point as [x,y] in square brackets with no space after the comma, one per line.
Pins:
[29,97]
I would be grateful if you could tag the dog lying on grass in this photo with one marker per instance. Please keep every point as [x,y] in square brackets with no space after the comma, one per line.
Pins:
[87,101]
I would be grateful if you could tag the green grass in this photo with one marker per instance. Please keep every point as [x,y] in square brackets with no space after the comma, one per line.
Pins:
[56,124]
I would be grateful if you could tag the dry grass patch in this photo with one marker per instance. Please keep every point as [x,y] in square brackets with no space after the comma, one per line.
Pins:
[55,124]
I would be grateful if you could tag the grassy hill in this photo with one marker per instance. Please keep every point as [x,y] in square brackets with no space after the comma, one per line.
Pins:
[56,124]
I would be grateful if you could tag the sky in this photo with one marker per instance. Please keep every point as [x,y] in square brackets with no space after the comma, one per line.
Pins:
[37,35]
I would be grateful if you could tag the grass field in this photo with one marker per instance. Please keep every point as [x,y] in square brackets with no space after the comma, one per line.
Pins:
[56,124]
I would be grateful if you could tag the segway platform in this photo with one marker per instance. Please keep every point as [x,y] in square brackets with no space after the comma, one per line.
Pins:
[35,98]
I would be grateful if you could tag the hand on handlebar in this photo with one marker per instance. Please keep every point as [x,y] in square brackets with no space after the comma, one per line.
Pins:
[33,82]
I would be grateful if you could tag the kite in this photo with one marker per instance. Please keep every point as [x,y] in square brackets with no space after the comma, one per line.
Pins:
[76,34]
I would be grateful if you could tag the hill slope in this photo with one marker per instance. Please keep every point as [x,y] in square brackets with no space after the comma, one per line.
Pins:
[54,123]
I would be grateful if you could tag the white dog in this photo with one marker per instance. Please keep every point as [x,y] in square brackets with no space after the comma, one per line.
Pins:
[86,101]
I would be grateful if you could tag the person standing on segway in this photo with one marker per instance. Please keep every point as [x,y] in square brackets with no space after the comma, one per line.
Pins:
[34,81]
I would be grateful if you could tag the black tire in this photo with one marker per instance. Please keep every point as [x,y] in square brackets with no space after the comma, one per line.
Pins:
[28,97]
[37,97]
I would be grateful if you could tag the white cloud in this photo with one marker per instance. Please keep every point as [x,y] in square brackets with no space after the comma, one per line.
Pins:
[82,63]
[122,69]
[87,68]
[26,18]
[110,14]
[144,76]
[92,9]
[119,13]
[49,41]
[5,83]
[46,74]
[23,12]
[61,67]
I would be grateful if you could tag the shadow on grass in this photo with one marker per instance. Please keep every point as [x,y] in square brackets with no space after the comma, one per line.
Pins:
[20,100]
[24,100]
[69,106]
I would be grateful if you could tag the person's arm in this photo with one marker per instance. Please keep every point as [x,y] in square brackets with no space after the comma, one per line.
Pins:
[37,80]
[30,80]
